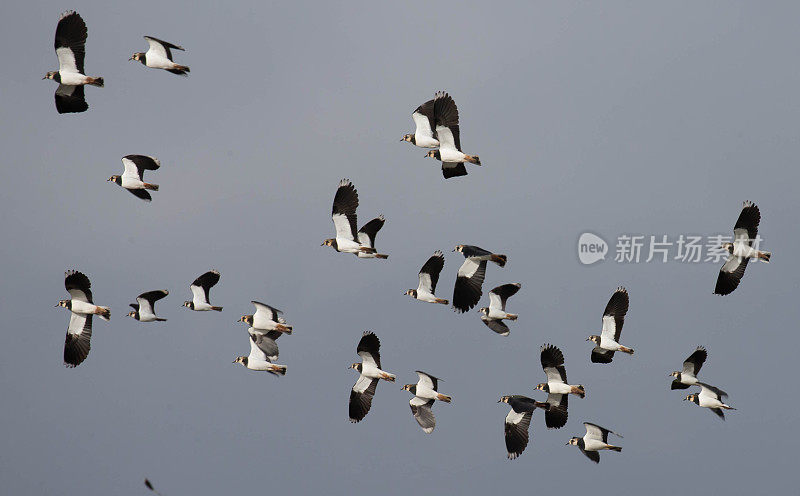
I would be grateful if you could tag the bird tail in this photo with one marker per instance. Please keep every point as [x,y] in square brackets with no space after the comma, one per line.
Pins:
[96,81]
[366,249]
[287,329]
[727,407]
[444,397]
[218,309]
[278,369]
[618,449]
[182,68]
[473,159]
[381,255]
[627,350]
[512,316]
[104,313]
[499,259]
[159,319]
[579,390]
[386,376]
[442,301]
[154,187]
[764,256]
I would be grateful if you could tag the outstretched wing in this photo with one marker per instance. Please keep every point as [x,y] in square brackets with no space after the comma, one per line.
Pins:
[345,203]
[429,273]
[161,47]
[614,314]
[70,42]
[366,235]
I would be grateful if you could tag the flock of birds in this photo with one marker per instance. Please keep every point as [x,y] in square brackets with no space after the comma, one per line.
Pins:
[437,128]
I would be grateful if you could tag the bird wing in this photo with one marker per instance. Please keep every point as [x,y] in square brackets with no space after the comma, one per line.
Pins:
[368,349]
[553,364]
[445,110]
[361,397]
[614,314]
[135,165]
[70,42]
[710,391]
[429,273]
[474,251]
[516,432]
[600,355]
[70,99]
[366,235]
[78,339]
[267,311]
[421,409]
[256,353]
[265,342]
[746,228]
[427,380]
[78,285]
[147,300]
[556,416]
[449,137]
[160,47]
[141,193]
[592,455]
[203,284]
[501,294]
[594,431]
[497,326]
[424,119]
[467,291]
[730,274]
[453,169]
[345,203]
[695,361]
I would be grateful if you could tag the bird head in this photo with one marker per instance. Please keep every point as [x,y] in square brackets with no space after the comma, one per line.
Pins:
[459,248]
[329,242]
[113,179]
[504,399]
[188,304]
[410,138]
[241,359]
[355,366]
[137,56]
[594,339]
[247,319]
[412,293]
[409,387]
[434,154]
[675,374]
[573,442]
[727,247]
[63,303]
[484,310]
[542,386]
[691,397]
[132,314]
[50,75]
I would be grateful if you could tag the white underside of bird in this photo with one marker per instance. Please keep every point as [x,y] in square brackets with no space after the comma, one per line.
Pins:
[559,388]
[742,249]
[423,295]
[591,444]
[86,308]
[348,245]
[373,372]
[158,61]
[73,78]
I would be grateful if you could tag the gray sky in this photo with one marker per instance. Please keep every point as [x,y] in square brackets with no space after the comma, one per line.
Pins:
[613,118]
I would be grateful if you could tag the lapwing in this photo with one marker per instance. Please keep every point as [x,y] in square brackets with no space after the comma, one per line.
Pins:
[448,134]
[613,317]
[425,121]
[596,439]
[345,221]
[70,45]
[495,313]
[266,318]
[741,250]
[428,277]
[159,56]
[691,367]
[79,332]
[133,177]
[556,387]
[469,280]
[518,421]
[200,288]
[710,397]
[144,308]
[425,394]
[370,373]
[259,361]
[366,236]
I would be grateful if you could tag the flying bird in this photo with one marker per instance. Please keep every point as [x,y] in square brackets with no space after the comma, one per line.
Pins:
[428,277]
[425,393]
[710,397]
[613,317]
[448,135]
[266,318]
[518,421]
[556,387]
[79,332]
[149,486]
[596,439]
[370,373]
[348,239]
[259,361]
[741,250]
[159,56]
[133,177]
[691,367]
[70,45]
[144,308]
[425,121]
[495,313]
[469,280]
[200,288]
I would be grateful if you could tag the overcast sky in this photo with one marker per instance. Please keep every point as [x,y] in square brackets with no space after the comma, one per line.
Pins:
[613,118]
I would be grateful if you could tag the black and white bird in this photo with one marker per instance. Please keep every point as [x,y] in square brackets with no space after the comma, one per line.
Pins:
[70,48]
[370,373]
[448,135]
[425,121]
[710,397]
[144,308]
[596,439]
[428,277]
[348,239]
[133,177]
[741,250]
[469,280]
[556,387]
[495,313]
[79,332]
[259,361]
[200,288]
[159,56]
[613,317]
[425,393]
[518,421]
[266,318]
[691,367]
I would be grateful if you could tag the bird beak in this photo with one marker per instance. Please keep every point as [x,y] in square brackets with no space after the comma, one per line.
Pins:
[233,361]
[57,304]
[323,244]
[131,58]
[566,444]
[44,77]
[588,339]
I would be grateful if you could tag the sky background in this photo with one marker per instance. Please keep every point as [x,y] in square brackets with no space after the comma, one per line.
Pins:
[607,117]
